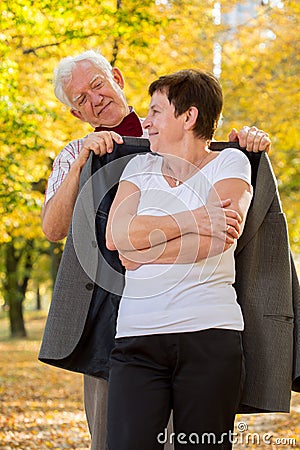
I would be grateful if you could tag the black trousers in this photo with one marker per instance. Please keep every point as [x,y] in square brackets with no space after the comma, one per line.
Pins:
[199,375]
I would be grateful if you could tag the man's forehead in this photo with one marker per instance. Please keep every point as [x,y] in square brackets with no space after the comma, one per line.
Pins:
[87,71]
[84,77]
[100,76]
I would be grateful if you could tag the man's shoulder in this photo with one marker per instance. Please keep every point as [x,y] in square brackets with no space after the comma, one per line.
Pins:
[74,144]
[71,150]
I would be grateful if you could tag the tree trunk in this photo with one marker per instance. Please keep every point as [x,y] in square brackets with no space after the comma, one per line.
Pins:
[17,261]
[12,292]
[38,298]
[117,40]
[17,325]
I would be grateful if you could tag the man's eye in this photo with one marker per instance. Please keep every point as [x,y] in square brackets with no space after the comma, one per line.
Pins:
[98,85]
[82,101]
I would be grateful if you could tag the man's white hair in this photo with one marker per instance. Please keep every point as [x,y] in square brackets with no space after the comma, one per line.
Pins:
[63,72]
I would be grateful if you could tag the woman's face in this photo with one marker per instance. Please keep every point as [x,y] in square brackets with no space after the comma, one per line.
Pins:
[165,130]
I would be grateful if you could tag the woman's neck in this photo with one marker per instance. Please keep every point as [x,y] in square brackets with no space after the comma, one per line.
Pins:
[184,162]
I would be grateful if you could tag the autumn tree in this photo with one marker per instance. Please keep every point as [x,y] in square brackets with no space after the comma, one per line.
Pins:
[144,39]
[261,66]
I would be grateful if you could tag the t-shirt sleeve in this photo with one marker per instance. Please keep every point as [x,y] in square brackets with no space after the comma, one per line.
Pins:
[233,164]
[61,167]
[133,171]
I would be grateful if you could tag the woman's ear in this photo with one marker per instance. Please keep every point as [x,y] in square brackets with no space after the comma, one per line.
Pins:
[191,117]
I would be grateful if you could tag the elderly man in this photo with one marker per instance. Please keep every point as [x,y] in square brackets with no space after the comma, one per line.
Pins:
[94,92]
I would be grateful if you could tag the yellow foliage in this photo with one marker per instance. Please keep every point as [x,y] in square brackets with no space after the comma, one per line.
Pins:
[260,76]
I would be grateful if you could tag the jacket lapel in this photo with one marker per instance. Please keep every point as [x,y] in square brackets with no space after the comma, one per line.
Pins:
[83,223]
[265,190]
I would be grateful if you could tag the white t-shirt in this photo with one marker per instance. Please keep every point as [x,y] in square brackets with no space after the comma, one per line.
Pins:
[172,298]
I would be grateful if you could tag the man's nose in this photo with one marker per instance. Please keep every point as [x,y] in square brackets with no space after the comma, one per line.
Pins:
[96,98]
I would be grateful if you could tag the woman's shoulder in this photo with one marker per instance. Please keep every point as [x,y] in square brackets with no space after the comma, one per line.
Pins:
[232,163]
[145,161]
[140,164]
[230,154]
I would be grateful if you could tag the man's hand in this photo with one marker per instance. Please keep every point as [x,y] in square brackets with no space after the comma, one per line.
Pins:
[57,213]
[253,139]
[100,142]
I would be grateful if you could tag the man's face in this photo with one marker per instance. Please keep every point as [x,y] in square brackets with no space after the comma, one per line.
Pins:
[165,130]
[97,99]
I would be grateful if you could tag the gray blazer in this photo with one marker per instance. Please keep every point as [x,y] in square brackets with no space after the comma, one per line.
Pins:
[268,292]
[266,283]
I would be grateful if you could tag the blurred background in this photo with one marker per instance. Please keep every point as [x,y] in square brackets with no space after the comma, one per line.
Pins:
[252,46]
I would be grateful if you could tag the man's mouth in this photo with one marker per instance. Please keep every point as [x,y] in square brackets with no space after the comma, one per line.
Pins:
[152,134]
[102,110]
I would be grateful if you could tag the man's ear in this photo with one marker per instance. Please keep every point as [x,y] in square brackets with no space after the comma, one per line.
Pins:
[191,117]
[118,77]
[77,114]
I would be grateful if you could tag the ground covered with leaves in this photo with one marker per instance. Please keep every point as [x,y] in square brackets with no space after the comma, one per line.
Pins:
[41,407]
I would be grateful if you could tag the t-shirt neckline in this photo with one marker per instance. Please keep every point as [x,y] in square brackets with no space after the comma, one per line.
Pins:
[188,179]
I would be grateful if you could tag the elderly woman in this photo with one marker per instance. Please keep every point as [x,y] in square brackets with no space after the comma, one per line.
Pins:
[178,342]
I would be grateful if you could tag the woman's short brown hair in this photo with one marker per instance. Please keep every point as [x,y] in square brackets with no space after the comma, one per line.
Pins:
[187,88]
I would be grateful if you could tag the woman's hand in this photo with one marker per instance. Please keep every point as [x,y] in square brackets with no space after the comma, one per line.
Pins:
[218,220]
[128,263]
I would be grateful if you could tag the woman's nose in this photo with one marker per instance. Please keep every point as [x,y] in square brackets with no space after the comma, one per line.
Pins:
[146,123]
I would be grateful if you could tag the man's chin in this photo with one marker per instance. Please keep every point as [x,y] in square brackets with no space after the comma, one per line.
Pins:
[107,124]
[110,123]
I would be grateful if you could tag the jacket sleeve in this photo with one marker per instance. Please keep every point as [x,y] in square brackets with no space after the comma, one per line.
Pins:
[296,306]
